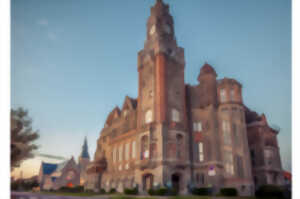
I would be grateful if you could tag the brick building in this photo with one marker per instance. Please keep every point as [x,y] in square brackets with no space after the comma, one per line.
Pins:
[179,135]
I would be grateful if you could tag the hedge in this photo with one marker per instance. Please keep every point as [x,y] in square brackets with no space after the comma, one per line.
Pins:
[201,191]
[269,191]
[230,191]
[134,191]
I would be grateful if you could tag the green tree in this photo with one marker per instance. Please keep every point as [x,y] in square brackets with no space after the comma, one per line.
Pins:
[22,137]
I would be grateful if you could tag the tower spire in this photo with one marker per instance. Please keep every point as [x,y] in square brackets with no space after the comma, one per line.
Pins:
[85,152]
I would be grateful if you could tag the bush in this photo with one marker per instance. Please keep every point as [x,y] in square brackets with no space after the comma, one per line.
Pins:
[228,192]
[269,191]
[162,192]
[76,189]
[112,190]
[172,192]
[102,191]
[134,191]
[201,191]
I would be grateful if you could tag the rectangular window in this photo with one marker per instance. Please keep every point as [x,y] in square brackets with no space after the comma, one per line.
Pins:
[114,154]
[232,94]
[226,132]
[201,153]
[223,95]
[120,153]
[133,149]
[197,126]
[239,165]
[127,151]
[175,115]
[268,156]
[228,160]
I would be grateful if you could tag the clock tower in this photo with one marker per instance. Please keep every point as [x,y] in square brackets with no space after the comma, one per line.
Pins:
[161,101]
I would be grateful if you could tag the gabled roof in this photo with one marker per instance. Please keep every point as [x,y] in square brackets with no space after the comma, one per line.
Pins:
[129,103]
[114,113]
[48,168]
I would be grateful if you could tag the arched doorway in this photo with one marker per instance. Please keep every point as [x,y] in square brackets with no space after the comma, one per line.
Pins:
[175,178]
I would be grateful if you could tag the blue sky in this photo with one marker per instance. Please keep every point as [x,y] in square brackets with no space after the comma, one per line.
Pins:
[74,61]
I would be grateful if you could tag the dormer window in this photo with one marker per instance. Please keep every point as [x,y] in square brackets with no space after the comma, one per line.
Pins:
[223,96]
[148,117]
[175,115]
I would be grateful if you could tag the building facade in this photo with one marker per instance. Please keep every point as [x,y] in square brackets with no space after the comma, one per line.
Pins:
[174,134]
[65,174]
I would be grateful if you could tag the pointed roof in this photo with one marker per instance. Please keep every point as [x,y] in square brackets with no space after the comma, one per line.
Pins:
[85,151]
[129,103]
[207,69]
[112,115]
[48,168]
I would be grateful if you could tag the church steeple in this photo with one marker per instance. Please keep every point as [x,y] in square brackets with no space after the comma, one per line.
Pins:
[85,152]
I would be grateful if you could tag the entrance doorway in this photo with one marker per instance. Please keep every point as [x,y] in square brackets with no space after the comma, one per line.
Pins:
[176,181]
[147,182]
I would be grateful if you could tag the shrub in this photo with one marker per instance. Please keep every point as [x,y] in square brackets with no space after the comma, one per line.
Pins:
[228,192]
[201,191]
[102,191]
[151,192]
[269,191]
[171,192]
[162,192]
[112,190]
[76,189]
[134,191]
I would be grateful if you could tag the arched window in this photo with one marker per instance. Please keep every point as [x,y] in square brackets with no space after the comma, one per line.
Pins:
[179,145]
[148,117]
[144,147]
[175,115]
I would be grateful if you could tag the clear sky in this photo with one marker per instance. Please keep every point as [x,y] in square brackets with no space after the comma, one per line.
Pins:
[74,61]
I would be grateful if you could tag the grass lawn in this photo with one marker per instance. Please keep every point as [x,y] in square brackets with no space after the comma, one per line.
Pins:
[122,196]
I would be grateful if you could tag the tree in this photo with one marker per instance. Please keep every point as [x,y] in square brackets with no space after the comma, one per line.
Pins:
[22,137]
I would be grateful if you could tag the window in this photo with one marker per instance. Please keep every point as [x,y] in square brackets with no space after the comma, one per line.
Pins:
[144,147]
[232,93]
[127,151]
[201,153]
[223,97]
[114,154]
[197,126]
[149,117]
[133,149]
[236,135]
[175,115]
[179,145]
[226,132]
[125,113]
[239,165]
[228,159]
[268,156]
[120,153]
